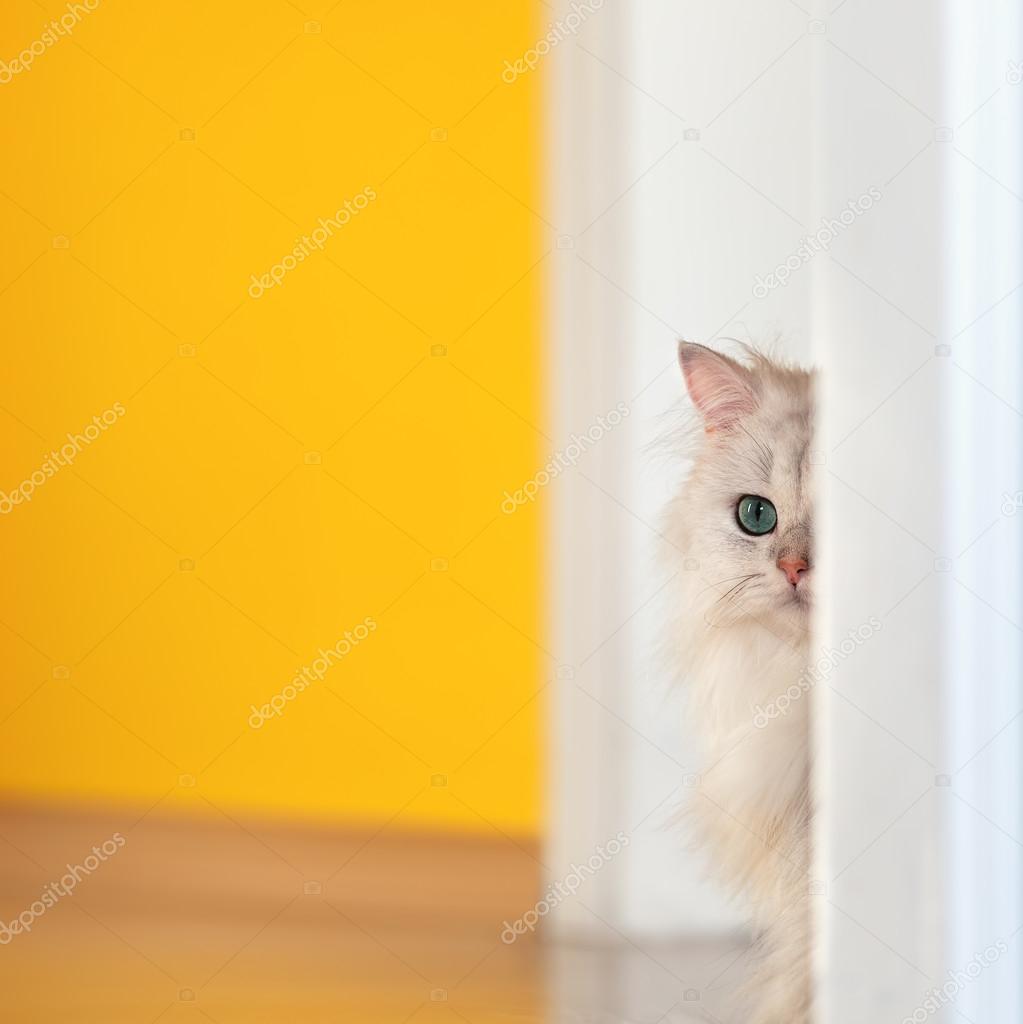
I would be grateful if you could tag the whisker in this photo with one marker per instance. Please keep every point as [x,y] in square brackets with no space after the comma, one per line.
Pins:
[737,588]
[727,579]
[766,456]
[741,589]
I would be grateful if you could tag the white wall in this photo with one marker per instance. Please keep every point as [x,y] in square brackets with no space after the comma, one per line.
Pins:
[681,174]
[984,827]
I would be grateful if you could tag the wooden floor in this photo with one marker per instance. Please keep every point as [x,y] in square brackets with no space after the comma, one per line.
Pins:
[245,921]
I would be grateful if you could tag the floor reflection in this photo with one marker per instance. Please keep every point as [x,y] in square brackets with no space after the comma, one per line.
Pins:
[230,919]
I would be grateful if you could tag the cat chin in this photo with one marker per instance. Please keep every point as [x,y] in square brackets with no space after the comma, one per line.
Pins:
[791,615]
[789,618]
[789,603]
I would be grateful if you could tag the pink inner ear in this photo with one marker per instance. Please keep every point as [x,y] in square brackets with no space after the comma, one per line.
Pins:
[720,388]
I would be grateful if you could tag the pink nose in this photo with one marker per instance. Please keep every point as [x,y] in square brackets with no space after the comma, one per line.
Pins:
[793,569]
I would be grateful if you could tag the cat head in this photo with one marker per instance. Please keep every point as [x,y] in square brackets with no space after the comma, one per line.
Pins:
[747,508]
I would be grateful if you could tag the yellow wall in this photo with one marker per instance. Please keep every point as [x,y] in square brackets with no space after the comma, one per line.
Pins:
[285,466]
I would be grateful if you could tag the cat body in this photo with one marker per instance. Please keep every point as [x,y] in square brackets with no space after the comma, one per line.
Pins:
[744,521]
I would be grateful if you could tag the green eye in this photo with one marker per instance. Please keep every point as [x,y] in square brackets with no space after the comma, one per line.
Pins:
[756,515]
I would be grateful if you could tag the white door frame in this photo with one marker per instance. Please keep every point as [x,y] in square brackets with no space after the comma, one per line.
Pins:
[921,824]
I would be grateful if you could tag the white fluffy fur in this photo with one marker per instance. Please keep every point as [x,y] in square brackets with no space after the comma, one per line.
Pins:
[742,643]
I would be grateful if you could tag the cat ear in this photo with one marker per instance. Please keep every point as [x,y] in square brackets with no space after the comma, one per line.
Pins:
[722,389]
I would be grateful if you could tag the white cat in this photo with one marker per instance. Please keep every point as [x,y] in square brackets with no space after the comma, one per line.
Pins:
[744,520]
